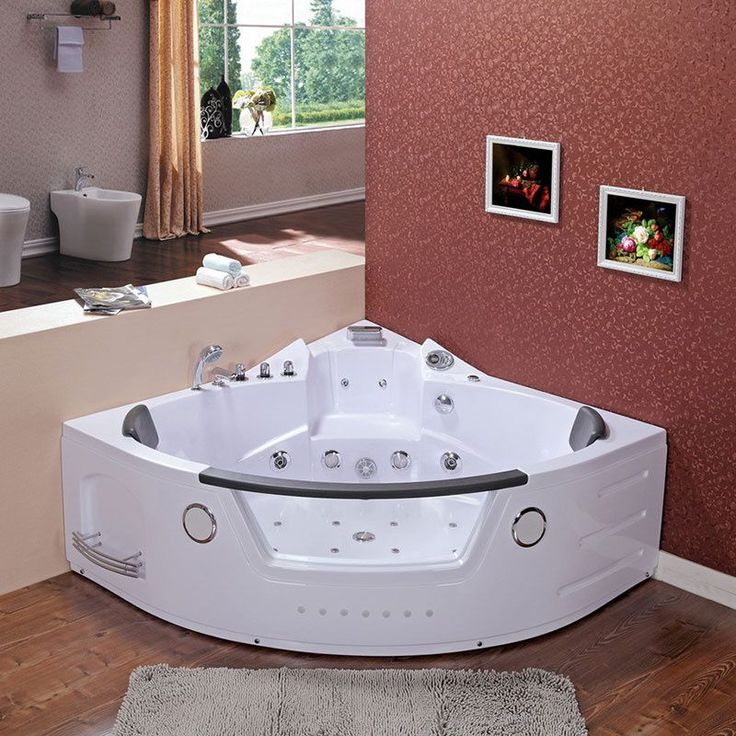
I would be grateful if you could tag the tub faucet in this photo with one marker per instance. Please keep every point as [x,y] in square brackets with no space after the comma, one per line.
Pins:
[209,355]
[83,180]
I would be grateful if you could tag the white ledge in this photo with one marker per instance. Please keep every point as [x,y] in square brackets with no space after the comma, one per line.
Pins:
[63,314]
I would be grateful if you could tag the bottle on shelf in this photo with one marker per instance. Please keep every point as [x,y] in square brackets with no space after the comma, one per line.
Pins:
[93,7]
[227,104]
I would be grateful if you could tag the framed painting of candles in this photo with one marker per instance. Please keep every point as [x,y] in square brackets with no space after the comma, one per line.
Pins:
[523,178]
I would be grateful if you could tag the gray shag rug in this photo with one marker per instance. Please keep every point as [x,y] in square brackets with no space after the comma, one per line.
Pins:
[169,701]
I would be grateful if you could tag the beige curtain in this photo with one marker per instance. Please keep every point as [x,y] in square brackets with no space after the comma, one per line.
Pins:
[174,196]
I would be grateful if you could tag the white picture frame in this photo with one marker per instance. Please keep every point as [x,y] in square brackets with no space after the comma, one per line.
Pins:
[505,199]
[674,218]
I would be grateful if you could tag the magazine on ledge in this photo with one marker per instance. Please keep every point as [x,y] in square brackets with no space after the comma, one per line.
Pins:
[114,299]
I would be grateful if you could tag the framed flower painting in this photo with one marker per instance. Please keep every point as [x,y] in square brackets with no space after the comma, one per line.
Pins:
[641,232]
[523,178]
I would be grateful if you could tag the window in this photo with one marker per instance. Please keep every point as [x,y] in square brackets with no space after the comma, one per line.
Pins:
[311,53]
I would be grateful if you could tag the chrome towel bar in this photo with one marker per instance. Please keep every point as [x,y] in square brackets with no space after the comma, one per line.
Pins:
[89,544]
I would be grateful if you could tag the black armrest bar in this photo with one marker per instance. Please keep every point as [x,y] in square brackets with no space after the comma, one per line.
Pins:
[364,491]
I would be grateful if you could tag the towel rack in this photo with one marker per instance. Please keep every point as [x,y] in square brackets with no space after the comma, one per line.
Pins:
[52,18]
[88,544]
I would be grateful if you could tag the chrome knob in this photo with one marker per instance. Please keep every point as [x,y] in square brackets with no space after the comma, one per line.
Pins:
[265,371]
[288,369]
[239,374]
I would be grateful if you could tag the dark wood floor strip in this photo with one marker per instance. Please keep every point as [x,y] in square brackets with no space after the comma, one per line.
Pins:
[52,278]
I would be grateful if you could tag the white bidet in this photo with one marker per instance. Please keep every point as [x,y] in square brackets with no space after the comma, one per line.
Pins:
[97,224]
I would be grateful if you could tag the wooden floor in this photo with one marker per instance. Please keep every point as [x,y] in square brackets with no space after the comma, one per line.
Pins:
[51,278]
[656,661]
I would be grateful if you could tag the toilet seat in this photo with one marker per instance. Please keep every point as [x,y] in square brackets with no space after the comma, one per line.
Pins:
[13,203]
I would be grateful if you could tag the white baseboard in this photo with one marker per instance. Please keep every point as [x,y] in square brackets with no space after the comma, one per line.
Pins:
[41,246]
[703,581]
[268,209]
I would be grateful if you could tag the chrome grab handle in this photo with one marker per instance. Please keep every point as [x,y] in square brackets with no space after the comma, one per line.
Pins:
[366,335]
[131,566]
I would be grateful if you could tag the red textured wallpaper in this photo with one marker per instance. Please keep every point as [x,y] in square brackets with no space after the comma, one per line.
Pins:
[640,94]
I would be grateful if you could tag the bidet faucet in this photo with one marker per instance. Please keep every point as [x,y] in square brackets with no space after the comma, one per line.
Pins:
[209,355]
[84,179]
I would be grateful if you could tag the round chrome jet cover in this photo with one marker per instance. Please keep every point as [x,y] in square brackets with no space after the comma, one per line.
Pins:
[400,460]
[331,459]
[444,404]
[451,461]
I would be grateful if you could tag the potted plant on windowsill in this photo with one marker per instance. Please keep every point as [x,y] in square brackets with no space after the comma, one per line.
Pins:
[255,109]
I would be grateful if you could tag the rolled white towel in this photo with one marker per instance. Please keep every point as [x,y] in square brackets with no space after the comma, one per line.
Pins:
[216,279]
[222,263]
[242,279]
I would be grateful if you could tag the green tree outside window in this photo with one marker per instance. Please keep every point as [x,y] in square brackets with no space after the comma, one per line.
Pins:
[329,64]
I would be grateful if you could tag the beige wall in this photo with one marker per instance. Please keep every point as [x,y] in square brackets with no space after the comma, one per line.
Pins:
[74,365]
[239,172]
[50,123]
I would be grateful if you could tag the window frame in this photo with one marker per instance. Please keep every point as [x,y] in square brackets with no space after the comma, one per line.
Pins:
[276,27]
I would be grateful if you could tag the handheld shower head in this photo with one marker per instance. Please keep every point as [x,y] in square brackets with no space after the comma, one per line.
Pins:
[209,355]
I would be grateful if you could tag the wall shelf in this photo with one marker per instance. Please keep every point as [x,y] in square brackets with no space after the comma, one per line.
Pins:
[88,22]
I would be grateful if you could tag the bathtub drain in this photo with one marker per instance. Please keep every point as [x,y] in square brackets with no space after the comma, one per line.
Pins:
[364,536]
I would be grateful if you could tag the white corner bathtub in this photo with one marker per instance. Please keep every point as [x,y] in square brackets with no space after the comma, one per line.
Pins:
[368,504]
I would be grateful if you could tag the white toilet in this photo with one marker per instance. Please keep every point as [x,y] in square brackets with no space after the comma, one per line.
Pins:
[14,213]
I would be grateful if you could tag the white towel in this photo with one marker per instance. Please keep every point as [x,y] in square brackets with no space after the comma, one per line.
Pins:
[222,263]
[242,279]
[69,49]
[216,279]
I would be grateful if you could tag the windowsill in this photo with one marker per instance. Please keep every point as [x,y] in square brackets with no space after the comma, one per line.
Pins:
[288,131]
